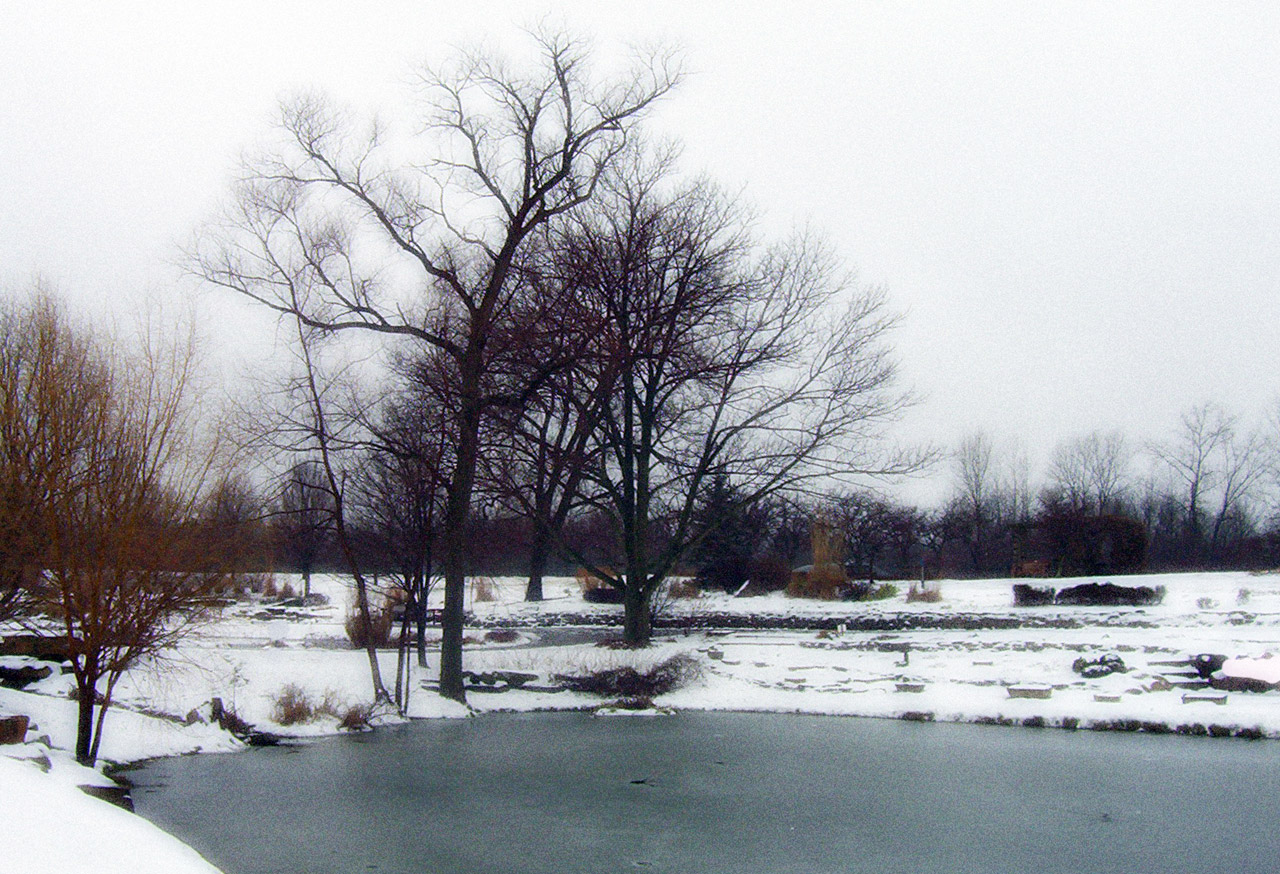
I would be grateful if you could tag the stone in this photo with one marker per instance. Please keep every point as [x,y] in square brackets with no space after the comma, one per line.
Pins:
[1026,595]
[1030,691]
[23,676]
[1099,667]
[1109,595]
[13,729]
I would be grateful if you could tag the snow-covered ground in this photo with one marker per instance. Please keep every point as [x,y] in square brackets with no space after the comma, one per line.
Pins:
[929,671]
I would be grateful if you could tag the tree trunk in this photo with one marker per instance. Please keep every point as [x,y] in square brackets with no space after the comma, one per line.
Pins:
[538,554]
[457,518]
[636,628]
[402,659]
[306,583]
[84,724]
[420,609]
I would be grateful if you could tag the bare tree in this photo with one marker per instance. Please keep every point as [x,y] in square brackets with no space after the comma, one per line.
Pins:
[1242,468]
[1190,458]
[109,440]
[305,520]
[399,489]
[1090,473]
[324,226]
[725,359]
[974,471]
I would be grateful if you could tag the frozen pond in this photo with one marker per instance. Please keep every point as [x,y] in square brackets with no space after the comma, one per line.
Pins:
[723,792]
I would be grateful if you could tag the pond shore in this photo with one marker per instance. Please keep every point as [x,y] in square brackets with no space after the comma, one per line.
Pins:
[971,657]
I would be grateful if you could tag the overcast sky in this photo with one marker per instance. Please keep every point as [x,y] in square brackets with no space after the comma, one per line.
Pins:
[1076,205]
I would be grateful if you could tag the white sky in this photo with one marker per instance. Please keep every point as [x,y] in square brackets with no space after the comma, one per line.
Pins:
[1077,205]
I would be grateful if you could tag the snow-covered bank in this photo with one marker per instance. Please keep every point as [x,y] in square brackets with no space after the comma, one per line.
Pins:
[51,826]
[1014,667]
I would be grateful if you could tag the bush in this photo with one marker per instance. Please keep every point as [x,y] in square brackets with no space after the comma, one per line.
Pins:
[769,573]
[287,592]
[1026,595]
[502,635]
[356,718]
[292,706]
[629,683]
[870,592]
[636,702]
[269,589]
[1206,603]
[823,582]
[605,595]
[380,621]
[923,595]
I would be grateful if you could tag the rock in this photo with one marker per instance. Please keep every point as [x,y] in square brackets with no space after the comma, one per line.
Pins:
[1206,663]
[1100,667]
[117,795]
[1025,595]
[1109,595]
[13,729]
[21,677]
[47,649]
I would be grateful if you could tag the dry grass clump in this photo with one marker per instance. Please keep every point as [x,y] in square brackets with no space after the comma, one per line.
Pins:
[292,706]
[627,682]
[356,718]
[380,622]
[924,594]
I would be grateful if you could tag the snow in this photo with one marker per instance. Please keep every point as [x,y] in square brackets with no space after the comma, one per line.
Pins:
[253,651]
[51,826]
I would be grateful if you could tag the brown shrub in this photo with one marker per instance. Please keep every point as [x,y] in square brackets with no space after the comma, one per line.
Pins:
[380,621]
[823,582]
[286,591]
[356,718]
[482,590]
[629,683]
[269,589]
[923,595]
[292,706]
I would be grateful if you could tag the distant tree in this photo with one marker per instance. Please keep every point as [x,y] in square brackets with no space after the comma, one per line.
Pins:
[730,534]
[1242,469]
[867,523]
[1090,472]
[305,519]
[1189,457]
[234,524]
[972,511]
[399,489]
[555,390]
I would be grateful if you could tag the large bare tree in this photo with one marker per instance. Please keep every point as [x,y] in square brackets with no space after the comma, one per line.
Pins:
[727,358]
[350,229]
